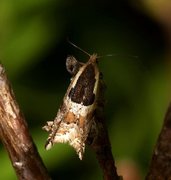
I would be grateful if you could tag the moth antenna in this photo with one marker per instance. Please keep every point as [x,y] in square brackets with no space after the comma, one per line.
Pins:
[78,47]
[126,55]
[110,55]
[101,56]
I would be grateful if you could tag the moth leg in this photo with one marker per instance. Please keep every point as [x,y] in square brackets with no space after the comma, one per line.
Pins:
[52,127]
[48,126]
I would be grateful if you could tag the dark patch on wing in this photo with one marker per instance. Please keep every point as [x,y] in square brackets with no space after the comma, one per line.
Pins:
[83,90]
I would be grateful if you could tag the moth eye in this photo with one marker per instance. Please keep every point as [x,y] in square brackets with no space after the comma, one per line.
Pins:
[71,65]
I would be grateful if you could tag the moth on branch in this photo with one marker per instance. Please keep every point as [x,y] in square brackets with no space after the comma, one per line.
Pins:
[74,119]
[77,122]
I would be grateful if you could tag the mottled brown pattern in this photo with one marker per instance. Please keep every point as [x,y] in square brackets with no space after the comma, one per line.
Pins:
[82,121]
[69,118]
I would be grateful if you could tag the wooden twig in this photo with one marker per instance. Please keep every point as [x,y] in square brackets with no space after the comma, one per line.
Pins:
[99,140]
[160,167]
[15,136]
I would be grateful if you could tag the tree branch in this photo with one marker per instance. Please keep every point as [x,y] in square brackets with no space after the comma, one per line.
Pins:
[99,141]
[15,136]
[160,167]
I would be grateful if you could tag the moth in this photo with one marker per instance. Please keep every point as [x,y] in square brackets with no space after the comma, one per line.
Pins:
[74,118]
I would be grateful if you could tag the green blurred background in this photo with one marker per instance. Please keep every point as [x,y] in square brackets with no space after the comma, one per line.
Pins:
[33,49]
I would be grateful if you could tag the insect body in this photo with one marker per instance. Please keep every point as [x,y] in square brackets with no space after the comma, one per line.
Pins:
[75,116]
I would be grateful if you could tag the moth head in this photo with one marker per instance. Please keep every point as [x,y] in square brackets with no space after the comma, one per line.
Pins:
[72,65]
